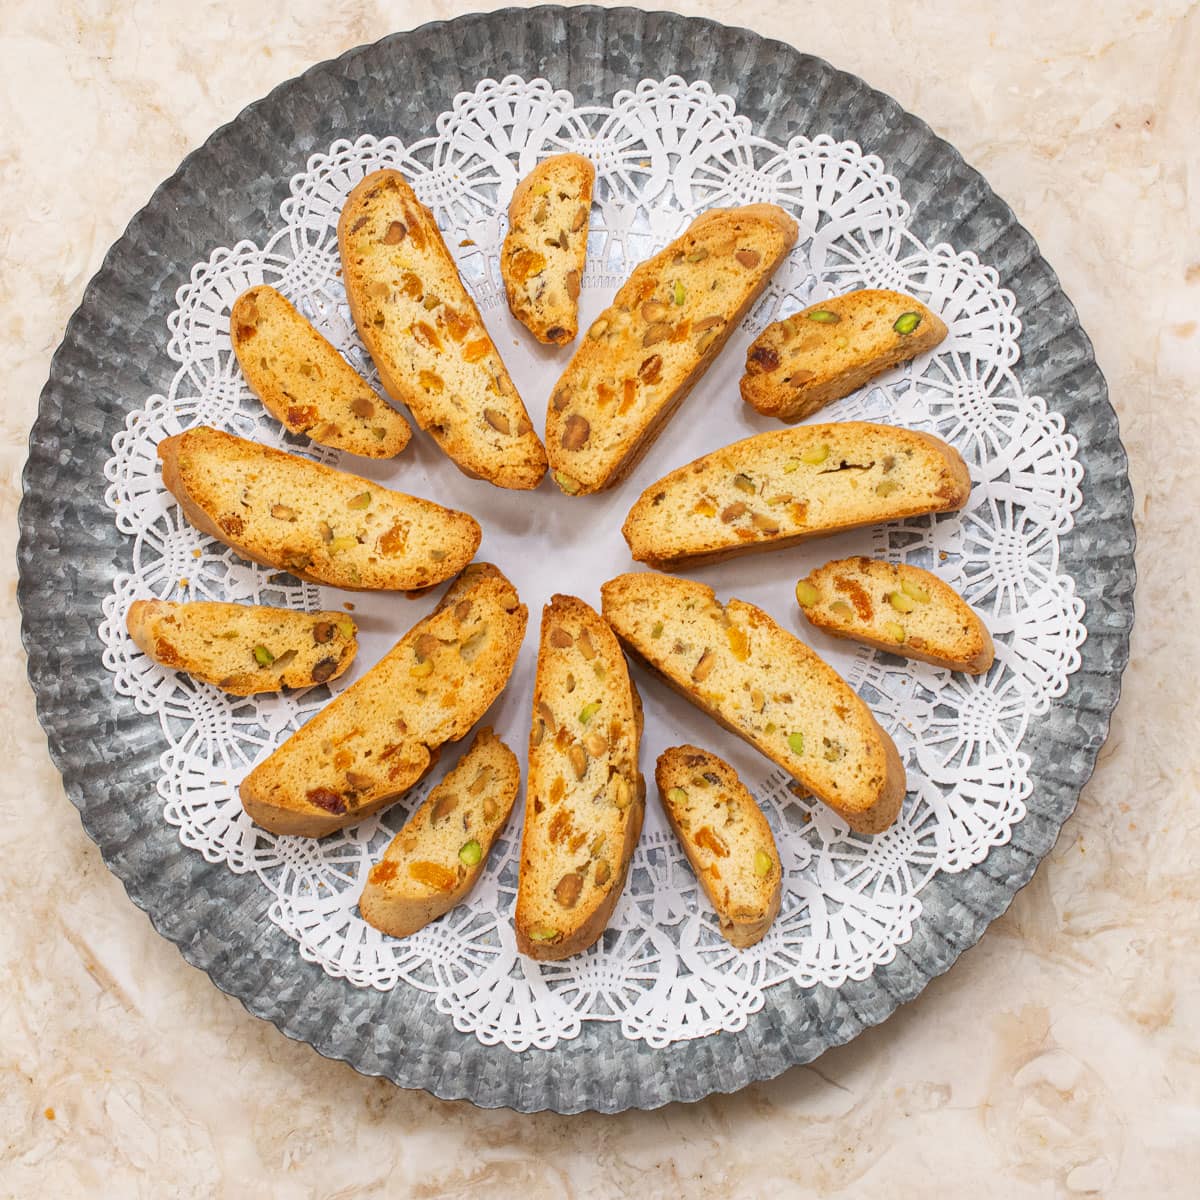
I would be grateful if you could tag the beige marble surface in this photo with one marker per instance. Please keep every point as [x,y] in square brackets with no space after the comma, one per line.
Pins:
[1058,1058]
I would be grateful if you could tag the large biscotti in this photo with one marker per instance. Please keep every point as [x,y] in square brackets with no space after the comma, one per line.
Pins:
[316,522]
[435,860]
[305,384]
[645,352]
[776,489]
[828,350]
[545,249]
[726,839]
[243,648]
[585,798]
[899,608]
[427,338]
[736,664]
[384,732]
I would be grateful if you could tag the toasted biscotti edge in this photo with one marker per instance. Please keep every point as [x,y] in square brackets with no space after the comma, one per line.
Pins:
[398,914]
[674,764]
[522,200]
[976,654]
[593,925]
[872,818]
[142,623]
[792,405]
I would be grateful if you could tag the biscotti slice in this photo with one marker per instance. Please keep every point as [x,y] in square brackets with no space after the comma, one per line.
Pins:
[776,489]
[546,246]
[305,384]
[894,607]
[241,648]
[735,663]
[427,338]
[830,349]
[384,732]
[318,523]
[585,799]
[644,353]
[434,861]
[726,839]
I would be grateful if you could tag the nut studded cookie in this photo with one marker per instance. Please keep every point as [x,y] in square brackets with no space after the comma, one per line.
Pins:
[433,863]
[585,797]
[741,668]
[828,350]
[645,352]
[244,649]
[383,733]
[305,384]
[318,523]
[726,839]
[899,608]
[774,490]
[546,246]
[427,338]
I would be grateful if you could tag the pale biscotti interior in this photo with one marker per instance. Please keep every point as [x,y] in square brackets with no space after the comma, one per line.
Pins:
[383,732]
[641,356]
[775,489]
[585,799]
[735,663]
[435,860]
[244,649]
[545,249]
[427,338]
[305,383]
[726,838]
[830,349]
[317,522]
[896,607]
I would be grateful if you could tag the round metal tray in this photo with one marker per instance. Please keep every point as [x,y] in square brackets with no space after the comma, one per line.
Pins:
[113,356]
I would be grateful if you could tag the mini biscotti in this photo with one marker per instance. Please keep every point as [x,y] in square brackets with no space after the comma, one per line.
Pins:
[242,648]
[828,350]
[545,249]
[585,798]
[318,523]
[435,860]
[643,354]
[427,338]
[776,489]
[899,608]
[726,839]
[736,664]
[384,732]
[305,384]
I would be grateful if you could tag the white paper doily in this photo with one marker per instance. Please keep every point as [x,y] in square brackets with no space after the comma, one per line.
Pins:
[663,152]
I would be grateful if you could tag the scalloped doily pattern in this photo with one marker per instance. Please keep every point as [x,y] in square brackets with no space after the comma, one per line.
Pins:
[663,152]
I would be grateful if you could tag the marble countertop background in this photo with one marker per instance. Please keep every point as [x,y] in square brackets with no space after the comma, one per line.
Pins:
[1061,1057]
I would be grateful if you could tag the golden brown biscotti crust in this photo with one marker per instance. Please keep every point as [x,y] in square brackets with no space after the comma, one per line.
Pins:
[384,732]
[432,864]
[244,649]
[305,384]
[775,490]
[318,523]
[545,250]
[427,338]
[726,839]
[898,608]
[585,797]
[830,349]
[646,351]
[735,663]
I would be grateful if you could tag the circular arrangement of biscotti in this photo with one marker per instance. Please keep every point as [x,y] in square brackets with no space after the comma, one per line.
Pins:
[632,369]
